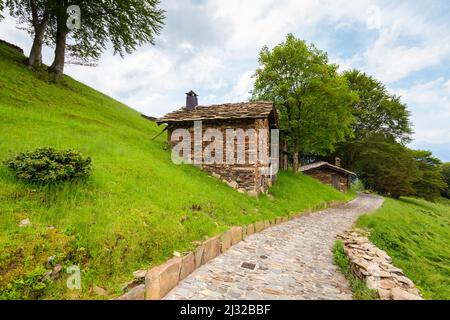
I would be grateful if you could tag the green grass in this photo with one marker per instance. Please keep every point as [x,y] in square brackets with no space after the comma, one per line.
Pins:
[416,234]
[359,289]
[130,213]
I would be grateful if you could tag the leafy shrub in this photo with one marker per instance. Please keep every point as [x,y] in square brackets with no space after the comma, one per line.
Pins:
[47,165]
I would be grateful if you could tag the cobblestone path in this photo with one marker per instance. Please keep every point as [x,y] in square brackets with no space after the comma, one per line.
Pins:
[292,260]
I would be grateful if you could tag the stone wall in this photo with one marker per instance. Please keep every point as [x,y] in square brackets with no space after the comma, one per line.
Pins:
[325,176]
[244,177]
[375,268]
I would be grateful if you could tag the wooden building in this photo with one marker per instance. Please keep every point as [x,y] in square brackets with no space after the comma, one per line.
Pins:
[327,173]
[247,177]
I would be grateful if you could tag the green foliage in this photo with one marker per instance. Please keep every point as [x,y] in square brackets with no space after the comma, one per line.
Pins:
[30,286]
[445,171]
[416,234]
[384,166]
[377,111]
[132,212]
[359,288]
[429,183]
[312,99]
[47,166]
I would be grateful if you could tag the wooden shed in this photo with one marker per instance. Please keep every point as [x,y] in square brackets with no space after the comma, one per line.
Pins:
[247,177]
[327,173]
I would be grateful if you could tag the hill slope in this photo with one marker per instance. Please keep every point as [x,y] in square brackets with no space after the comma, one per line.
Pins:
[416,234]
[134,211]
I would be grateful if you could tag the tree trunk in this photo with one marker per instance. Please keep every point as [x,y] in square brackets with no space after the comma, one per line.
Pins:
[35,59]
[284,156]
[57,66]
[296,157]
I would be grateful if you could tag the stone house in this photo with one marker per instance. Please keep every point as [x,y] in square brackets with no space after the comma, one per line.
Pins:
[327,173]
[250,117]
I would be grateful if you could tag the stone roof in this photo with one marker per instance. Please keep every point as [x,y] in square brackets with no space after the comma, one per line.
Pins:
[323,164]
[244,110]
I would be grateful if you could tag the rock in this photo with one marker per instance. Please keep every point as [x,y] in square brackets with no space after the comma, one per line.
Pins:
[215,175]
[24,223]
[236,235]
[137,293]
[212,249]
[131,285]
[99,291]
[56,270]
[259,226]
[232,184]
[226,241]
[250,229]
[384,294]
[372,283]
[160,280]
[244,233]
[187,265]
[139,274]
[198,255]
[400,294]
[387,284]
[177,254]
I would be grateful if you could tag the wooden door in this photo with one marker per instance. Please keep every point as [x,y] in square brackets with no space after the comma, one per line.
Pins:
[336,182]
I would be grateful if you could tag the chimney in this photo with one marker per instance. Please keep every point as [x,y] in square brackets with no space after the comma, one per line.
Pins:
[191,100]
[338,162]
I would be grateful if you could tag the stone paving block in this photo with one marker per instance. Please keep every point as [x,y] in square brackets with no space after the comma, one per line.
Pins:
[198,255]
[137,293]
[212,249]
[259,226]
[250,229]
[187,265]
[160,280]
[236,235]
[226,241]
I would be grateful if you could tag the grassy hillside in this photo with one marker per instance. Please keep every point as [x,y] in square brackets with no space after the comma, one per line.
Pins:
[416,234]
[134,211]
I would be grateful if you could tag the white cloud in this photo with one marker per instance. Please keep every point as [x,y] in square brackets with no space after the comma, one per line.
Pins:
[431,112]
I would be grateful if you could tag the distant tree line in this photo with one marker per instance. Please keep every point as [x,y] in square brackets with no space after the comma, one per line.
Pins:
[325,114]
[121,24]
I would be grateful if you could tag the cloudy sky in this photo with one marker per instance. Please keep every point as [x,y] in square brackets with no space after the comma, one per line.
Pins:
[211,46]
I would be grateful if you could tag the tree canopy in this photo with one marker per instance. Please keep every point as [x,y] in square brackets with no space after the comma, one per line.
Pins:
[122,24]
[313,100]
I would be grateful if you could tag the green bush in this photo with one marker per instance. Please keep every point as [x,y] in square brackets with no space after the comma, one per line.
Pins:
[48,166]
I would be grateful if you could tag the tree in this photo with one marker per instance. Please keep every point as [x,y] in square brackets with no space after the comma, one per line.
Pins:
[312,99]
[429,183]
[36,14]
[385,165]
[376,111]
[445,171]
[125,24]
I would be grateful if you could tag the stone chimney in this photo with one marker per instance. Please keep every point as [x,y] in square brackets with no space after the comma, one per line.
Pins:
[338,162]
[191,100]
